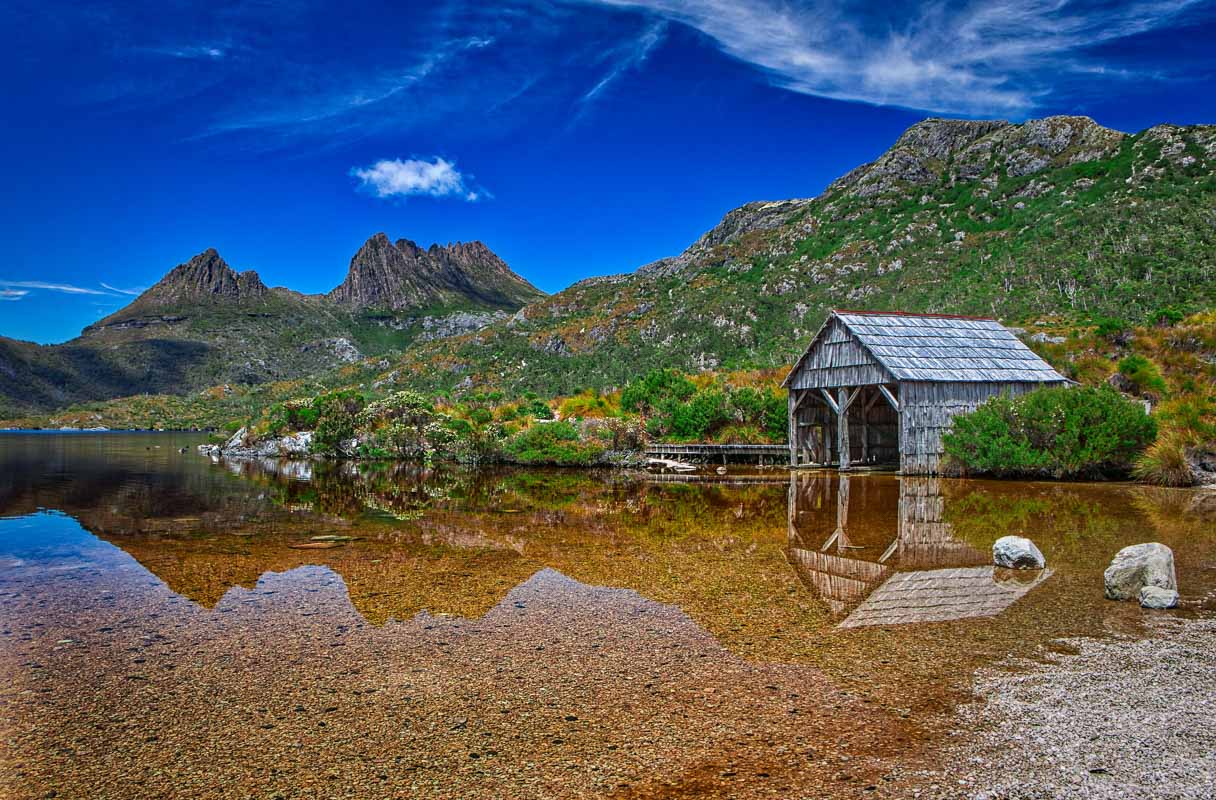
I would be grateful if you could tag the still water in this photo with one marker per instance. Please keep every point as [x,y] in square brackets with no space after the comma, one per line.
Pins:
[174,627]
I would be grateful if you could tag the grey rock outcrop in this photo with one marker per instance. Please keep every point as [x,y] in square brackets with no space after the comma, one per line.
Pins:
[293,445]
[1157,598]
[1138,566]
[1017,552]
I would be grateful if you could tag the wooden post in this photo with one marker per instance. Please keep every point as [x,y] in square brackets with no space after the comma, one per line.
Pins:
[842,427]
[793,430]
[865,434]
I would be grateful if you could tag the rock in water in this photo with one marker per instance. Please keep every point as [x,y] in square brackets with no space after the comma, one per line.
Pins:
[1149,564]
[1017,552]
[1156,597]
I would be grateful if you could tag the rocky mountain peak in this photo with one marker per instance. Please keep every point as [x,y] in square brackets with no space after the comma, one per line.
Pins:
[404,276]
[936,149]
[205,277]
[939,138]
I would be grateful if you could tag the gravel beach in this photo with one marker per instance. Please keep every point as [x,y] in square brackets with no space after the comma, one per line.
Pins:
[1120,718]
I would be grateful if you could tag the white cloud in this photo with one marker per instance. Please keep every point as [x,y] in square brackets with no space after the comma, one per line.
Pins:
[133,292]
[13,294]
[396,178]
[66,288]
[973,56]
[632,56]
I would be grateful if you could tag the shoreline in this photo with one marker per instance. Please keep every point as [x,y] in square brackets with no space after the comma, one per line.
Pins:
[1102,717]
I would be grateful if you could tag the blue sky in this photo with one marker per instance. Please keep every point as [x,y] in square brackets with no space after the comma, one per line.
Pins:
[574,138]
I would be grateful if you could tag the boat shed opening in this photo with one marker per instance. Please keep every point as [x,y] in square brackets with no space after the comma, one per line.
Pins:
[880,388]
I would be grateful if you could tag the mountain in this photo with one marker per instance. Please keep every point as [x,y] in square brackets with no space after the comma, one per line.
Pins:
[403,275]
[1057,216]
[205,324]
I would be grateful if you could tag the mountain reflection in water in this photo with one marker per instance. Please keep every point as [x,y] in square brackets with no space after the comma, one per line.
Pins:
[714,638]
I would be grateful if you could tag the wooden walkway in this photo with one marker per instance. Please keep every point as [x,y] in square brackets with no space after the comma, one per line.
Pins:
[722,453]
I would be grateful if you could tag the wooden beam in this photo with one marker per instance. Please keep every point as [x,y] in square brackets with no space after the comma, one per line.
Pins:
[842,426]
[831,403]
[890,397]
[852,396]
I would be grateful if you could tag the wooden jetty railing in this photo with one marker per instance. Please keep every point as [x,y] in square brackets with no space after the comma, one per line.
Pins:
[762,454]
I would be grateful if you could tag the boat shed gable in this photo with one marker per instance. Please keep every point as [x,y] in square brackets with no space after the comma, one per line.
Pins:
[836,357]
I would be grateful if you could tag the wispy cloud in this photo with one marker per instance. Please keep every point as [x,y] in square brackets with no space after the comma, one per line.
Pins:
[976,56]
[133,292]
[205,52]
[631,56]
[66,288]
[437,177]
[13,294]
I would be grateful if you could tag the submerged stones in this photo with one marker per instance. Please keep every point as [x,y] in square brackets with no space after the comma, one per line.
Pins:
[1139,566]
[1155,597]
[1017,552]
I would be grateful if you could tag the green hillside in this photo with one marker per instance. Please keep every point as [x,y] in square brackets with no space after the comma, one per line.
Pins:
[1053,217]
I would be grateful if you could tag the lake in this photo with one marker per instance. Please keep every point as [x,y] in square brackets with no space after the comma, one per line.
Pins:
[176,627]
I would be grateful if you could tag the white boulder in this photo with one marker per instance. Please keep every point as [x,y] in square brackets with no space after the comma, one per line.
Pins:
[237,440]
[1156,597]
[1149,564]
[1017,552]
[296,444]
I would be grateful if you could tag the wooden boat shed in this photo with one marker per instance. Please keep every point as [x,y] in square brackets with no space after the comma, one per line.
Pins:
[880,388]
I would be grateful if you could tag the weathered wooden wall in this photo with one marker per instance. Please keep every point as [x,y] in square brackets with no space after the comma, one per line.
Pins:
[927,410]
[839,360]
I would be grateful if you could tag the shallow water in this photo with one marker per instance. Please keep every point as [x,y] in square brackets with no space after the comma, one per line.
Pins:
[174,627]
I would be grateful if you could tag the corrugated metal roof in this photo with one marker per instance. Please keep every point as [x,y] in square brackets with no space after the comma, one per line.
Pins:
[915,347]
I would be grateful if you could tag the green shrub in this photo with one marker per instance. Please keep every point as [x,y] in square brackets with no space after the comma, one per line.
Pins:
[704,412]
[553,443]
[656,388]
[539,409]
[1111,329]
[1060,432]
[1165,317]
[405,425]
[1143,374]
[337,414]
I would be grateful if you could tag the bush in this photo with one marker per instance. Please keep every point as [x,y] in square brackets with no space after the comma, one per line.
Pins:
[290,417]
[695,419]
[1113,330]
[337,414]
[539,409]
[1059,432]
[1165,463]
[655,389]
[1165,317]
[587,405]
[1143,374]
[406,425]
[553,443]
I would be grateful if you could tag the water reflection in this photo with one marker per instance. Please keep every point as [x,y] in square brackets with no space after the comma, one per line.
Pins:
[889,570]
[152,600]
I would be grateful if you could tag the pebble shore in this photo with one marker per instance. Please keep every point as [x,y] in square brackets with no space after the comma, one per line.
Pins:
[1120,718]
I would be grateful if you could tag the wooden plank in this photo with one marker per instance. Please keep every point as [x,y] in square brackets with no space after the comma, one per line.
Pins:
[890,397]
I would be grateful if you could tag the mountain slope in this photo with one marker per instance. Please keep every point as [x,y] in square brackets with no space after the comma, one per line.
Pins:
[1058,216]
[205,324]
